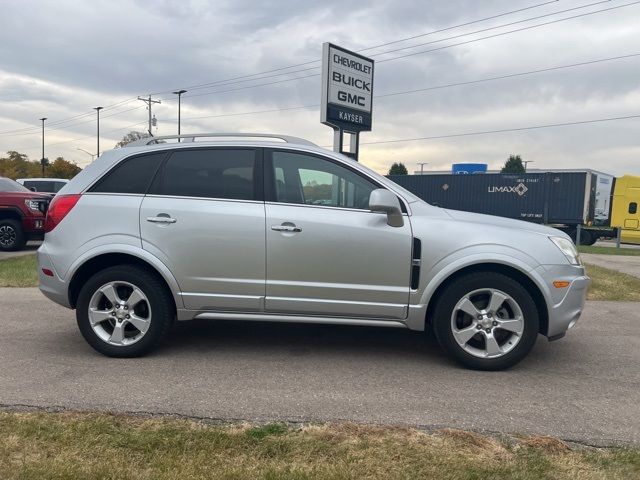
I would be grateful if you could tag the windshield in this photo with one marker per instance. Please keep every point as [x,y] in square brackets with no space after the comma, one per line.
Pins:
[8,185]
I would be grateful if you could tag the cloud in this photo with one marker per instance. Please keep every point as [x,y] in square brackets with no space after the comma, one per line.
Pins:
[61,59]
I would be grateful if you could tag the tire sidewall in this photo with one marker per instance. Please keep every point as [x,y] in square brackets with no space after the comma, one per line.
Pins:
[464,285]
[20,238]
[157,295]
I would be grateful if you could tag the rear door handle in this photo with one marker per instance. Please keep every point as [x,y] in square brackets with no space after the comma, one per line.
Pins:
[286,228]
[161,220]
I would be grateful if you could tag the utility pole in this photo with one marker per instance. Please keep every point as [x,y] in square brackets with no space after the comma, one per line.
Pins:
[97,109]
[526,162]
[179,93]
[422,164]
[149,102]
[43,159]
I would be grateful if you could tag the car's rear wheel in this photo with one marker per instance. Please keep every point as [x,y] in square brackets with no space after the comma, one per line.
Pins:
[124,311]
[486,321]
[11,235]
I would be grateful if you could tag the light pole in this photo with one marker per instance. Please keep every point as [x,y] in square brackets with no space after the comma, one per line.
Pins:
[527,162]
[97,109]
[85,151]
[422,164]
[179,93]
[43,159]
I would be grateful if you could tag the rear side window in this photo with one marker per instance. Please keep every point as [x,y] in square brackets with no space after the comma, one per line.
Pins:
[132,175]
[209,173]
[633,208]
[40,186]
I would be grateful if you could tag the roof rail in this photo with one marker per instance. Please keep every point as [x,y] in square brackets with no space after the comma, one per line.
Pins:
[192,138]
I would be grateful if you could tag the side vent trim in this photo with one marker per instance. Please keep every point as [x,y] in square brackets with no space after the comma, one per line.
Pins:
[416,261]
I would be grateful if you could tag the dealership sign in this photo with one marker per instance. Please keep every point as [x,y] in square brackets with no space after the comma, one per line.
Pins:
[347,89]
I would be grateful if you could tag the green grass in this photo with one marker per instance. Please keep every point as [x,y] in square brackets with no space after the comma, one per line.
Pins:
[612,285]
[93,446]
[19,272]
[609,250]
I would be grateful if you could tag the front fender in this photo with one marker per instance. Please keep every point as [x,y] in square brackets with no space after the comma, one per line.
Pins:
[437,273]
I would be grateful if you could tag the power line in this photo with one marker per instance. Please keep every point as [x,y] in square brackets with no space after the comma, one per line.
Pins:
[510,31]
[203,85]
[503,130]
[457,26]
[494,27]
[237,80]
[224,83]
[60,123]
[379,61]
[65,127]
[434,87]
[275,82]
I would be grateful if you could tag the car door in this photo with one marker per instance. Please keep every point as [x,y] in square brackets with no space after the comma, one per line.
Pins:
[327,253]
[204,218]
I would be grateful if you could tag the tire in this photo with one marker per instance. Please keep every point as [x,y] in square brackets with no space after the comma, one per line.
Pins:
[11,236]
[586,238]
[493,344]
[593,238]
[142,306]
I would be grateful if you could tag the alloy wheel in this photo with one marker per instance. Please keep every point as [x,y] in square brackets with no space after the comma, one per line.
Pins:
[119,313]
[487,323]
[7,236]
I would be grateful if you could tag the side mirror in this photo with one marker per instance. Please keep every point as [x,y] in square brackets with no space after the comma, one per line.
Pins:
[382,200]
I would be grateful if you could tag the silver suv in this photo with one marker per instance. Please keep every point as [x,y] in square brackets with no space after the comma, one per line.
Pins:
[274,228]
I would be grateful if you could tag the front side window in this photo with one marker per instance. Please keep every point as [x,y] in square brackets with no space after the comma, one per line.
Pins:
[309,180]
[209,173]
[633,208]
[132,175]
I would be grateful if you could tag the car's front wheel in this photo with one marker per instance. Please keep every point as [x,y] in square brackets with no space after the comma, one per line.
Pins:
[124,311]
[11,235]
[486,321]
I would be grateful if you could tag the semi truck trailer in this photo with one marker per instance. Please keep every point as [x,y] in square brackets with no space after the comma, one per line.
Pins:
[593,203]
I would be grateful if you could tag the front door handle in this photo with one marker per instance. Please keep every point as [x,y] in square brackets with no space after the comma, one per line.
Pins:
[161,219]
[286,228]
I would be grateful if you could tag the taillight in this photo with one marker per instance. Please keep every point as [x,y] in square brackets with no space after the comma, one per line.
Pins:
[59,207]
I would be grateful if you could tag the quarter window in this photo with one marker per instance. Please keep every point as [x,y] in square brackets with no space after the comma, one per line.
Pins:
[132,175]
[209,173]
[310,180]
[633,208]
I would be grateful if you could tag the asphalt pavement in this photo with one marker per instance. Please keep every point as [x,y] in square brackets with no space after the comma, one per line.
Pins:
[584,388]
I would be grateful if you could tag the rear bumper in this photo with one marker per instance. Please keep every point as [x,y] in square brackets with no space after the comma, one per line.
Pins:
[564,314]
[52,287]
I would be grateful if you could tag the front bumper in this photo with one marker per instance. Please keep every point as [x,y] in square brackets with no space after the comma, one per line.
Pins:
[567,303]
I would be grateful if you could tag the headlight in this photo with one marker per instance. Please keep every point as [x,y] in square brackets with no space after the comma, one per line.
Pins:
[568,248]
[33,205]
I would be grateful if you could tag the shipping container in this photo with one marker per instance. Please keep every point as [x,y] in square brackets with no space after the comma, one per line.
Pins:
[563,199]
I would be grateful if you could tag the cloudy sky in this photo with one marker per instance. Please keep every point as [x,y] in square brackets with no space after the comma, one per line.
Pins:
[59,59]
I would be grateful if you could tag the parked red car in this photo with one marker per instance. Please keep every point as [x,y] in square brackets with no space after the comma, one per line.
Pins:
[22,214]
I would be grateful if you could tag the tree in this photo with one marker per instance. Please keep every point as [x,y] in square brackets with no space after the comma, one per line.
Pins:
[131,137]
[17,165]
[513,165]
[398,169]
[61,168]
